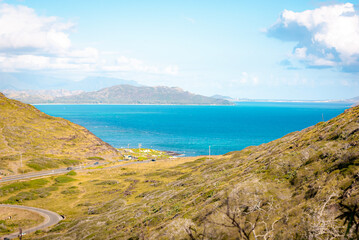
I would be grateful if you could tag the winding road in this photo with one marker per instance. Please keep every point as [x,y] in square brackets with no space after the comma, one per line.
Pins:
[63,170]
[51,218]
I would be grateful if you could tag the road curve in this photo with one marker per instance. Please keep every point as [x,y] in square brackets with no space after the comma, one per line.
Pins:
[51,218]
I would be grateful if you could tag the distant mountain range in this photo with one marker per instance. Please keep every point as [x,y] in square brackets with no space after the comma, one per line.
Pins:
[95,90]
[39,96]
[223,97]
[355,101]
[37,89]
[123,94]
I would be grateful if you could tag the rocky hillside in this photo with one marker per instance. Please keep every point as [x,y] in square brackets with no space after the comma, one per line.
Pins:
[43,140]
[302,186]
[126,94]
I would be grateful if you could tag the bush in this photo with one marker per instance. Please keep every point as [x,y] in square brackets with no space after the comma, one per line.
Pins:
[46,163]
[71,173]
[22,197]
[64,179]
[71,190]
[107,182]
[44,192]
[42,163]
[95,158]
[16,186]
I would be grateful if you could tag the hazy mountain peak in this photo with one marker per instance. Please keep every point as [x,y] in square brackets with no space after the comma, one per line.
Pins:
[127,94]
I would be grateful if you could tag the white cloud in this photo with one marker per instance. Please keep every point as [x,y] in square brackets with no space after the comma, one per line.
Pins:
[245,79]
[134,65]
[22,28]
[29,41]
[329,35]
[35,62]
[313,60]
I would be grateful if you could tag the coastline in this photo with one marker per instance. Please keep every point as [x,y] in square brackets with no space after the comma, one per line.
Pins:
[136,104]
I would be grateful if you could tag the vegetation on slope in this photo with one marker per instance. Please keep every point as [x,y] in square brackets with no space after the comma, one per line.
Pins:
[302,186]
[42,141]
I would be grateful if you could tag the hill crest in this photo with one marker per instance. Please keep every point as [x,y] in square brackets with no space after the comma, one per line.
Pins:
[38,137]
[127,94]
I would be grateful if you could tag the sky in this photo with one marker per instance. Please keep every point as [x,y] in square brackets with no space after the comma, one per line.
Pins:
[279,49]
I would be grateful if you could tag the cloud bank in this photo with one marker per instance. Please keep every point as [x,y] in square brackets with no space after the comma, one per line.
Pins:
[29,41]
[327,37]
[22,29]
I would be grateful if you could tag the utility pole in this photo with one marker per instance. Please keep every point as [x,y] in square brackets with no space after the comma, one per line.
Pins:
[128,146]
[209,152]
[21,163]
[20,233]
[139,146]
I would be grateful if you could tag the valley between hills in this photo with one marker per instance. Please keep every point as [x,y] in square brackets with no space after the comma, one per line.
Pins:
[302,186]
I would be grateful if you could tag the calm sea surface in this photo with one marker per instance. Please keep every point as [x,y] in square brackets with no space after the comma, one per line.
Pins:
[190,130]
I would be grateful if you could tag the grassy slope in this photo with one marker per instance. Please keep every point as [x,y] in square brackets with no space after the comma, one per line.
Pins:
[42,138]
[292,186]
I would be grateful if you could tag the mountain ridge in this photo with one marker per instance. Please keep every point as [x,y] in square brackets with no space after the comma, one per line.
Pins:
[128,94]
[29,134]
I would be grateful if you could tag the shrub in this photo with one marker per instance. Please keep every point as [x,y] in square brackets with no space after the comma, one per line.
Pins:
[22,196]
[95,158]
[64,179]
[71,173]
[107,182]
[46,163]
[16,186]
[71,190]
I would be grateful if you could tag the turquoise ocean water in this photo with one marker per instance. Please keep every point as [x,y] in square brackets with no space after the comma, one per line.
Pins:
[190,130]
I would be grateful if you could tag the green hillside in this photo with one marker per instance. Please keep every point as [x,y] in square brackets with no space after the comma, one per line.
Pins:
[42,141]
[293,188]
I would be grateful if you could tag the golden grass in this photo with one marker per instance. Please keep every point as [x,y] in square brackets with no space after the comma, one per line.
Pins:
[19,218]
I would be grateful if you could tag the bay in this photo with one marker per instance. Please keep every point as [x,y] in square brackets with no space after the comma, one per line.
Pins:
[190,130]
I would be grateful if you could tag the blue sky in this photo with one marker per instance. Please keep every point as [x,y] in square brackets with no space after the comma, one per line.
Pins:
[243,49]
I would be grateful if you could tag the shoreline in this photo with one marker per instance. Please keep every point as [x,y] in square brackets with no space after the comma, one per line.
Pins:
[234,103]
[175,154]
[135,104]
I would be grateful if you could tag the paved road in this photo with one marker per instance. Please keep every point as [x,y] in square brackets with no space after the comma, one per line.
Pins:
[62,170]
[45,173]
[51,218]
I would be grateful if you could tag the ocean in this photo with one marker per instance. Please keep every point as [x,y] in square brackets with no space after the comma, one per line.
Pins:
[190,130]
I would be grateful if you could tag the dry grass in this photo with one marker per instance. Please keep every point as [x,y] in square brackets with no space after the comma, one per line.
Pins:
[19,218]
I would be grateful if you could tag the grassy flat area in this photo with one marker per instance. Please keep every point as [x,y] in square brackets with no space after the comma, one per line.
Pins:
[19,218]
